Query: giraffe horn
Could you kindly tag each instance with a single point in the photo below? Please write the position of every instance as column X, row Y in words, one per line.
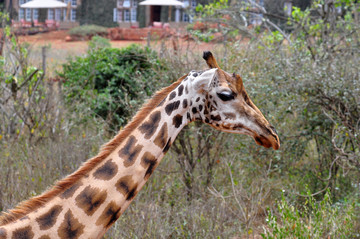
column 210, row 60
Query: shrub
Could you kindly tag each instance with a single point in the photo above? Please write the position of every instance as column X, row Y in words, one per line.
column 313, row 220
column 88, row 30
column 110, row 82
column 98, row 42
column 26, row 108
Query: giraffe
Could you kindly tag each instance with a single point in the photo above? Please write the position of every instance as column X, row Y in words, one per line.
column 86, row 203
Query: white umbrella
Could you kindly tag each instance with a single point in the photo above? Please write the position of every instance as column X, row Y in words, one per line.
column 43, row 4
column 162, row 3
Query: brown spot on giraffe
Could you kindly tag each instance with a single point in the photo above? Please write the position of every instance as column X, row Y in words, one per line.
column 180, row 90
column 71, row 190
column 110, row 214
column 177, row 120
column 215, row 117
column 90, row 199
column 48, row 219
column 185, row 103
column 70, row 228
column 130, row 151
column 148, row 161
column 107, row 171
column 171, row 107
column 2, row 233
column 172, row 95
column 45, row 237
column 23, row 233
column 127, row 187
column 162, row 136
column 149, row 127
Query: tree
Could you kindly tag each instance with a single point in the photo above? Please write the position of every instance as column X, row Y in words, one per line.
column 97, row 13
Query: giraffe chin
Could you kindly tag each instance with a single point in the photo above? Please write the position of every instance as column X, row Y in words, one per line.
column 267, row 142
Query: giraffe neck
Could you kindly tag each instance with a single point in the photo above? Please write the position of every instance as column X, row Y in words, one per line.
column 97, row 199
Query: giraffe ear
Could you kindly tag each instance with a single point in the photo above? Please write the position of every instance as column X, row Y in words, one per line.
column 204, row 81
column 238, row 82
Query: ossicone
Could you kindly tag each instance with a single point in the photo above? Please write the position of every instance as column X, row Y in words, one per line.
column 210, row 60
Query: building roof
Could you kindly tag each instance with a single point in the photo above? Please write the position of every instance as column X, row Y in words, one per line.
column 162, row 3
column 43, row 4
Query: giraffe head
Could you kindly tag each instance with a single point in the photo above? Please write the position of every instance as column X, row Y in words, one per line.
column 226, row 106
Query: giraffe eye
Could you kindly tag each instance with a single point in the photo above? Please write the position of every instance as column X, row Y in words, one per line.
column 226, row 95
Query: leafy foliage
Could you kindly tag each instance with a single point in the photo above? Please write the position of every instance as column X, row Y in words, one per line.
column 111, row 82
column 25, row 106
column 88, row 30
column 305, row 73
column 96, row 12
column 312, row 220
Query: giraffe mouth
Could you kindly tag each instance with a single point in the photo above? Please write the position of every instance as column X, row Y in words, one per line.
column 269, row 141
column 261, row 140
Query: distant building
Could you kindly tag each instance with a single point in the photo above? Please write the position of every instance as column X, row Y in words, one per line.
column 64, row 14
column 128, row 12
column 124, row 12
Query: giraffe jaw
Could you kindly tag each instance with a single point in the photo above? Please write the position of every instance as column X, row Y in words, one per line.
column 271, row 140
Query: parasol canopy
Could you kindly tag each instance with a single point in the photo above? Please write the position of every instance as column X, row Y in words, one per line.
column 162, row 3
column 43, row 4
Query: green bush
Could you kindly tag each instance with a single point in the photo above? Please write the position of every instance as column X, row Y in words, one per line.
column 98, row 42
column 88, row 30
column 313, row 220
column 110, row 82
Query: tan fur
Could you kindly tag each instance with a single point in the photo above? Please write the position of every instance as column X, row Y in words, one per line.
column 239, row 83
column 36, row 202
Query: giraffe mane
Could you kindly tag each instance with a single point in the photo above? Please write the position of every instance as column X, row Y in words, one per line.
column 25, row 207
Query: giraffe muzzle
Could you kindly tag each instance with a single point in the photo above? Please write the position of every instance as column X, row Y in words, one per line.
column 270, row 140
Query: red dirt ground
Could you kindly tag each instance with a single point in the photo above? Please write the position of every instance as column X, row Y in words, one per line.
column 60, row 50
column 57, row 41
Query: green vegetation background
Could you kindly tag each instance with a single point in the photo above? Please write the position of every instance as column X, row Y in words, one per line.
column 304, row 76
